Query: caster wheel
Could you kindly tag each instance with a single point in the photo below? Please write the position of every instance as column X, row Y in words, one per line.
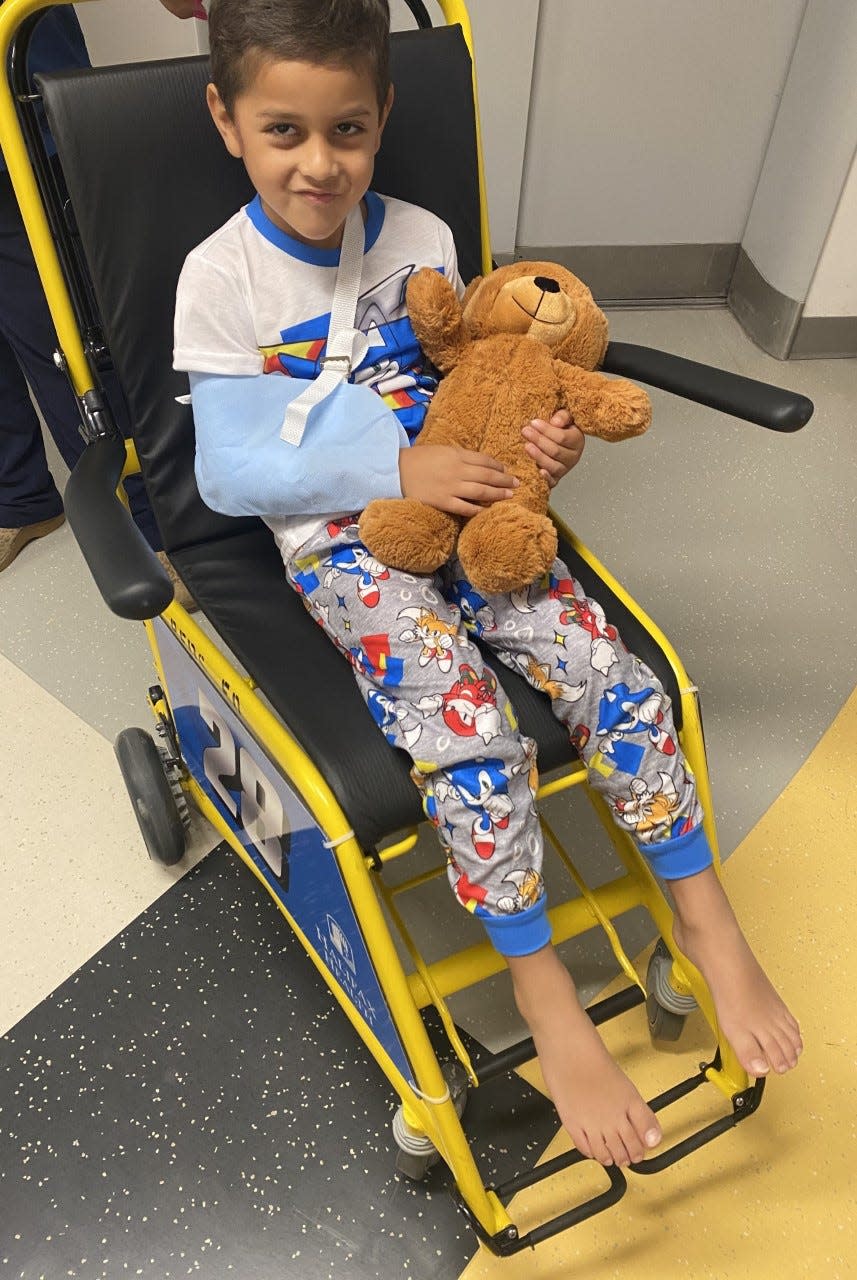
column 417, row 1153
column 151, row 793
column 667, row 1009
column 664, row 1026
column 415, row 1168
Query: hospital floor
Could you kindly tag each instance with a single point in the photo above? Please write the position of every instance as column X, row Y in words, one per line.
column 178, row 1093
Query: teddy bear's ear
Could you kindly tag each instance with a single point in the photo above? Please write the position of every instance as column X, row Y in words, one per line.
column 470, row 290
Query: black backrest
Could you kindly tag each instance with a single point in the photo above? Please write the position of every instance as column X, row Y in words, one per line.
column 149, row 178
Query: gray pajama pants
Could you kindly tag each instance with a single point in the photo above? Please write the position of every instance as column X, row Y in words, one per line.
column 408, row 640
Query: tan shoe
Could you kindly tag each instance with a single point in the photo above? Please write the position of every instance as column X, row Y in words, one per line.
column 183, row 596
column 14, row 540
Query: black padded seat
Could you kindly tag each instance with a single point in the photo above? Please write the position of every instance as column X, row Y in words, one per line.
column 240, row 583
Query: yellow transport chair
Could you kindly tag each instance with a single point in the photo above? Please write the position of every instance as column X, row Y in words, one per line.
column 318, row 805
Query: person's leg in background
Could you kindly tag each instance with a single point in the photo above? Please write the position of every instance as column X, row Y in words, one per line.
column 30, row 503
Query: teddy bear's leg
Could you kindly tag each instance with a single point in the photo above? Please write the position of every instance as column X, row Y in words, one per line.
column 406, row 534
column 506, row 547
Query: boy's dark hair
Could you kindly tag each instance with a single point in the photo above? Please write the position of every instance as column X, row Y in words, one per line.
column 243, row 33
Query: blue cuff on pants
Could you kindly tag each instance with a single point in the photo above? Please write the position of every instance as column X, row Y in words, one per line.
column 520, row 934
column 683, row 856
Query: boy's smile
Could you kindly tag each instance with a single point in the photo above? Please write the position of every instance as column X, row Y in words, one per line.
column 308, row 135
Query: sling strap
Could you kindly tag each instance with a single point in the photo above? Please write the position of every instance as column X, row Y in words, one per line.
column 346, row 346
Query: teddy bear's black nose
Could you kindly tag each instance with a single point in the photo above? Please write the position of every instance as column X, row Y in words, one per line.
column 546, row 284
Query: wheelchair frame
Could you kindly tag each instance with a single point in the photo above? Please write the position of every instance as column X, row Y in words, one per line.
column 289, row 829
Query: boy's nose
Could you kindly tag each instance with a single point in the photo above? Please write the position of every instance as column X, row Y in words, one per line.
column 317, row 160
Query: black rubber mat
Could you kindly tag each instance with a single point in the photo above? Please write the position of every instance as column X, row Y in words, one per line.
column 193, row 1102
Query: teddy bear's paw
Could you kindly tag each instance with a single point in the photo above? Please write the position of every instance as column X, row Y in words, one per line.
column 506, row 547
column 628, row 411
column 428, row 288
column 405, row 534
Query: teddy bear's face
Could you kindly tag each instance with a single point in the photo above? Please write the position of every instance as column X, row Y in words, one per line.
column 535, row 305
column 543, row 301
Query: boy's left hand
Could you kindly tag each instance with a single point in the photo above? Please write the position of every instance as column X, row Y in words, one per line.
column 554, row 446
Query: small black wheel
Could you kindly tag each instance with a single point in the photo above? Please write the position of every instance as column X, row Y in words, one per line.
column 151, row 795
column 663, row 1025
column 667, row 1009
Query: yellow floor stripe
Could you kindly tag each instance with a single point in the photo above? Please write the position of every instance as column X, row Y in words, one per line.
column 776, row 1196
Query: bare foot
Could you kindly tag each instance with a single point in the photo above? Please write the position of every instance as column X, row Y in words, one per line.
column 598, row 1105
column 751, row 1014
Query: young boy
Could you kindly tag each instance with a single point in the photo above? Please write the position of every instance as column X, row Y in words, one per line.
column 301, row 93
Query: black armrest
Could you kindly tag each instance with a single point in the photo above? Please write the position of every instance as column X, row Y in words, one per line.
column 126, row 570
column 772, row 407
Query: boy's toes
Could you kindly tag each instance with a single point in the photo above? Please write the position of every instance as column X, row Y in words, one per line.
column 582, row 1143
column 620, row 1150
column 633, row 1144
column 645, row 1125
column 782, row 1053
column 600, row 1150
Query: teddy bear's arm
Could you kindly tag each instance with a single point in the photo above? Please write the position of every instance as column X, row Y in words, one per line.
column 436, row 315
column 610, row 408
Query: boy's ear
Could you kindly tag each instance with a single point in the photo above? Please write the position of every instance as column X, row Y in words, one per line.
column 224, row 122
column 385, row 111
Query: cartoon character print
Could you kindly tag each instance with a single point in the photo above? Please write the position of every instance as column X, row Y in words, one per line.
column 390, row 715
column 430, row 809
column 622, row 713
column 344, row 527
column 527, row 885
column 356, row 561
column 482, row 786
column 394, row 365
column 469, row 706
column 590, row 617
column 649, row 812
column 470, row 895
column 539, row 677
column 476, row 613
column 436, row 638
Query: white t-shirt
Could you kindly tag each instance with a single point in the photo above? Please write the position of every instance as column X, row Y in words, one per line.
column 253, row 300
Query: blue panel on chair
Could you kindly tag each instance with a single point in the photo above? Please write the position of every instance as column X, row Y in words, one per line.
column 276, row 830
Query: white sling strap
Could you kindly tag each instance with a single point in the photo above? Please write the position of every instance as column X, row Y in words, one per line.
column 346, row 346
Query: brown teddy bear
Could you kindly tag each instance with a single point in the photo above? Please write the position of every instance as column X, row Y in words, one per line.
column 522, row 343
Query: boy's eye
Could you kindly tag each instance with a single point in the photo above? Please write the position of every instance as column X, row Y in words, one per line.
column 348, row 129
column 282, row 130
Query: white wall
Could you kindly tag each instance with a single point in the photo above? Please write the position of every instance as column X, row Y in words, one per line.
column 504, row 37
column 810, row 155
column 134, row 31
column 650, row 118
column 833, row 291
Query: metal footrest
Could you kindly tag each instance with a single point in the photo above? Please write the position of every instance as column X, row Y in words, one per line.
column 510, row 1241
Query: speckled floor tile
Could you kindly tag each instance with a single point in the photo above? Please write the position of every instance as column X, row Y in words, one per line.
column 193, row 1102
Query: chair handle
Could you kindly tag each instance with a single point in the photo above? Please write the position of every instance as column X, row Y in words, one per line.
column 126, row 570
column 759, row 402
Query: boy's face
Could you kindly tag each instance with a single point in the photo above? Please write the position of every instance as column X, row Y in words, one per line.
column 308, row 136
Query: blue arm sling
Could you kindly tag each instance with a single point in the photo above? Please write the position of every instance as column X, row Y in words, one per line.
column 349, row 452
column 268, row 445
